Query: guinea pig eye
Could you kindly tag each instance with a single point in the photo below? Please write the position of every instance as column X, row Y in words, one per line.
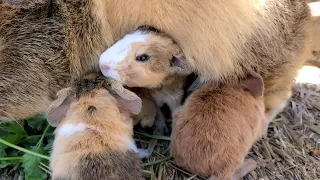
column 142, row 57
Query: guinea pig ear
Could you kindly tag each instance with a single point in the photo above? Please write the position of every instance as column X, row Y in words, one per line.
column 254, row 84
column 181, row 65
column 133, row 105
column 126, row 99
column 197, row 84
column 59, row 107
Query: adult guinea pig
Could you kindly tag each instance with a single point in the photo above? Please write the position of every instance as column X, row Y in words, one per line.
column 45, row 44
column 93, row 139
column 216, row 127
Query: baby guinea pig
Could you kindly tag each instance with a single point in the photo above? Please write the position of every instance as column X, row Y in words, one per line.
column 216, row 127
column 93, row 139
column 145, row 58
column 150, row 59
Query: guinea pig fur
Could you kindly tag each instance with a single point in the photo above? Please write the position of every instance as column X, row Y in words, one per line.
column 93, row 140
column 216, row 127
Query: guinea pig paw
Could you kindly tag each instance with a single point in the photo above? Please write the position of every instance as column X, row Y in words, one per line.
column 161, row 127
column 147, row 122
column 143, row 153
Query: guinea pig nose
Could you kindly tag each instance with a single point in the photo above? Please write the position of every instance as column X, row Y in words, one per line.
column 104, row 67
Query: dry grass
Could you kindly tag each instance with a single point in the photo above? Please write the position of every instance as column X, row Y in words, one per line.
column 284, row 153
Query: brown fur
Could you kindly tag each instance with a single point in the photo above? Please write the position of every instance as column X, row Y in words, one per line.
column 52, row 42
column 101, row 150
column 215, row 128
column 316, row 55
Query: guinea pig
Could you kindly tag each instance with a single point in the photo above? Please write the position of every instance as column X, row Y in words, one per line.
column 150, row 59
column 216, row 127
column 93, row 138
column 144, row 58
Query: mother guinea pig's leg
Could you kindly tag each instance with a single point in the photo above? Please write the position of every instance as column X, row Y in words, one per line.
column 247, row 166
column 275, row 102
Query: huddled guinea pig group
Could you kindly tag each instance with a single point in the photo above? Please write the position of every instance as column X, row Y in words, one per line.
column 215, row 127
column 46, row 45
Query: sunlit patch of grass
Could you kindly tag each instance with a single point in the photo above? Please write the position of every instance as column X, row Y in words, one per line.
column 315, row 8
column 309, row 74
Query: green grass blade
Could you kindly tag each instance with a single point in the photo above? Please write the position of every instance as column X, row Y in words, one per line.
column 157, row 161
column 158, row 137
column 10, row 158
column 39, row 144
column 45, row 170
column 24, row 150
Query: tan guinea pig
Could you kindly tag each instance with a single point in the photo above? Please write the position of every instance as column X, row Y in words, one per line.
column 216, row 127
column 93, row 139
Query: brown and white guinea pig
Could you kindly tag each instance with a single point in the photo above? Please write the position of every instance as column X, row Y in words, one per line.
column 93, row 139
column 150, row 59
column 144, row 58
column 216, row 127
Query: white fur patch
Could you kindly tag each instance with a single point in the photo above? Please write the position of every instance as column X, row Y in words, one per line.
column 69, row 129
column 132, row 146
column 143, row 153
column 274, row 112
column 118, row 52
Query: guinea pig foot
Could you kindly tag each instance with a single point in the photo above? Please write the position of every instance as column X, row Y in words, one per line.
column 161, row 127
column 143, row 153
column 147, row 122
column 247, row 166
